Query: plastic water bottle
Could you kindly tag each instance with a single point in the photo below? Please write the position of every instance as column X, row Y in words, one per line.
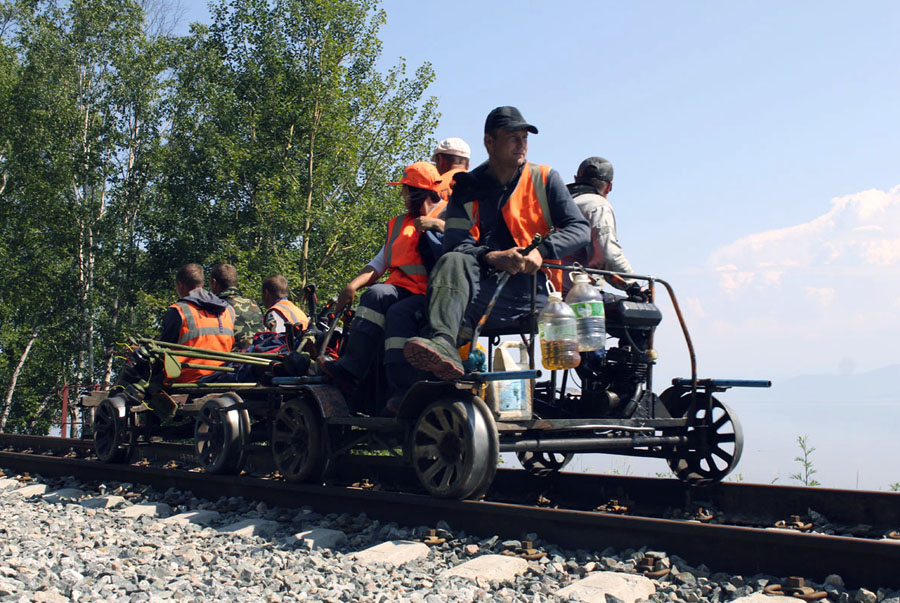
column 587, row 302
column 559, row 335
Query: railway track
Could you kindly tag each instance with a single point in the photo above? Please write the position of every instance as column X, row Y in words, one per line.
column 728, row 527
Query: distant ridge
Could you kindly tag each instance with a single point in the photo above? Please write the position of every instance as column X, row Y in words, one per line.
column 879, row 385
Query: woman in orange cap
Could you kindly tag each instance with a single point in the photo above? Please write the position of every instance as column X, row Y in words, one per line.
column 386, row 311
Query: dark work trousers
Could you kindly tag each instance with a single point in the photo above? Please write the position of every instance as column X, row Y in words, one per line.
column 368, row 328
column 459, row 291
column 404, row 319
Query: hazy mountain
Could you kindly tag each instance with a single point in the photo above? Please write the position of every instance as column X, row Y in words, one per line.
column 879, row 385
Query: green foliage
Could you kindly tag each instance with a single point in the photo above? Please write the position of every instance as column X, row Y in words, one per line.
column 895, row 487
column 804, row 476
column 263, row 140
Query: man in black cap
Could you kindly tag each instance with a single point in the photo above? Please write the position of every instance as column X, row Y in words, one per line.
column 593, row 183
column 495, row 211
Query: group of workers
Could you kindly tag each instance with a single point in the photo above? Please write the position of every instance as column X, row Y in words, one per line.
column 462, row 229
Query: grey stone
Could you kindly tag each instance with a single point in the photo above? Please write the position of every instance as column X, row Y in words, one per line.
column 29, row 491
column 8, row 484
column 594, row 588
column 865, row 596
column 103, row 502
column 192, row 517
column 147, row 509
column 63, row 495
column 398, row 552
column 319, row 538
column 251, row 527
column 501, row 568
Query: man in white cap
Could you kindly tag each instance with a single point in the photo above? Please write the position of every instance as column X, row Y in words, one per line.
column 450, row 156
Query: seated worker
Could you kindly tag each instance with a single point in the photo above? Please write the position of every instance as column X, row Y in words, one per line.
column 388, row 310
column 280, row 310
column 592, row 185
column 494, row 212
column 450, row 156
column 198, row 319
column 247, row 315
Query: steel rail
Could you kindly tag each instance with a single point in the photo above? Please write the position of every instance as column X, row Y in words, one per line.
column 746, row 550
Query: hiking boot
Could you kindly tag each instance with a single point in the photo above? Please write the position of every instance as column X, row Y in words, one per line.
column 338, row 376
column 436, row 356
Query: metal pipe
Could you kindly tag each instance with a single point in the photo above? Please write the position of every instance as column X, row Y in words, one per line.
column 186, row 348
column 220, row 369
column 588, row 444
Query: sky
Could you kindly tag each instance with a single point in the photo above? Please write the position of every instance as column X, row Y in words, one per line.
column 756, row 149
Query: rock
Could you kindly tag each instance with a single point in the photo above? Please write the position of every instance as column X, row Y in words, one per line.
column 193, row 517
column 865, row 596
column 251, row 527
column 63, row 495
column 29, row 491
column 396, row 552
column 501, row 568
column 761, row 598
column 319, row 538
column 594, row 588
column 834, row 580
column 103, row 502
column 147, row 509
column 8, row 484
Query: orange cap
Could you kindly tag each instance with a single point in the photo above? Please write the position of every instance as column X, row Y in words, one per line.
column 421, row 174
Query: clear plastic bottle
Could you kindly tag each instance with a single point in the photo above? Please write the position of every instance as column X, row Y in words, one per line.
column 559, row 335
column 590, row 317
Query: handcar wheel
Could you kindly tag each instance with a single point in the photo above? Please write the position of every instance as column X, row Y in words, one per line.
column 300, row 442
column 493, row 450
column 221, row 435
column 702, row 462
column 543, row 463
column 451, row 451
column 113, row 436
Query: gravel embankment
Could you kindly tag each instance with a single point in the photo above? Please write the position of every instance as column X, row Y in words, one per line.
column 68, row 546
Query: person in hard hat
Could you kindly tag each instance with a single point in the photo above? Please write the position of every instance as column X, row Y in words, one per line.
column 494, row 213
column 593, row 183
column 280, row 311
column 450, row 156
column 386, row 311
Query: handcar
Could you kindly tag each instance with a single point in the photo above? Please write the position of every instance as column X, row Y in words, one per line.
column 451, row 433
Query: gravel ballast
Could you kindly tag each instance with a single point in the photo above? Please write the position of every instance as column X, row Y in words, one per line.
column 74, row 541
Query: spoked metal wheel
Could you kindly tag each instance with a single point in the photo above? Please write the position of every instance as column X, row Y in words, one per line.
column 717, row 440
column 453, row 449
column 300, row 442
column 113, row 436
column 221, row 434
column 544, row 463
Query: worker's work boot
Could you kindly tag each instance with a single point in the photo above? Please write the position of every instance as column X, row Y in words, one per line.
column 437, row 356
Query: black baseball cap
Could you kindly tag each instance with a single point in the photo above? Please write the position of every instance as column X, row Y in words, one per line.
column 507, row 118
column 595, row 167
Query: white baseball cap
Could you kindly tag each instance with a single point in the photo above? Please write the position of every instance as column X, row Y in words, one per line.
column 452, row 146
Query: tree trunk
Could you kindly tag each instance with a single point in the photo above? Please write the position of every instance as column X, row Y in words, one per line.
column 7, row 404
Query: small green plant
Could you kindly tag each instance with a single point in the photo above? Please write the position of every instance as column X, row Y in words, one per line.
column 805, row 475
column 737, row 477
column 895, row 487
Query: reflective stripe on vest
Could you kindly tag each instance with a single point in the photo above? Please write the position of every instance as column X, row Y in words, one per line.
column 526, row 213
column 205, row 330
column 401, row 253
column 291, row 313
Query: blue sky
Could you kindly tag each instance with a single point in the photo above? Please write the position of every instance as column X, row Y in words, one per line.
column 756, row 149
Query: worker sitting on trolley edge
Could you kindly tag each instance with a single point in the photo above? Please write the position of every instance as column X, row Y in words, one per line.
column 280, row 311
column 388, row 310
column 198, row 319
column 450, row 156
column 494, row 212
column 592, row 185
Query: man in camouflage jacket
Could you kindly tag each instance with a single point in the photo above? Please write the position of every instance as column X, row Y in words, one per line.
column 248, row 317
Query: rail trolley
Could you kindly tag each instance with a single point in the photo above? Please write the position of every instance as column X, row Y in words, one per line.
column 451, row 433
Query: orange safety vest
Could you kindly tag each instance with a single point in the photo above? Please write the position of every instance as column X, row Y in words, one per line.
column 446, row 185
column 204, row 330
column 526, row 213
column 291, row 313
column 401, row 253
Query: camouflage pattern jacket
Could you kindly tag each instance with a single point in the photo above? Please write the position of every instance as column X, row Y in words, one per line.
column 248, row 317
